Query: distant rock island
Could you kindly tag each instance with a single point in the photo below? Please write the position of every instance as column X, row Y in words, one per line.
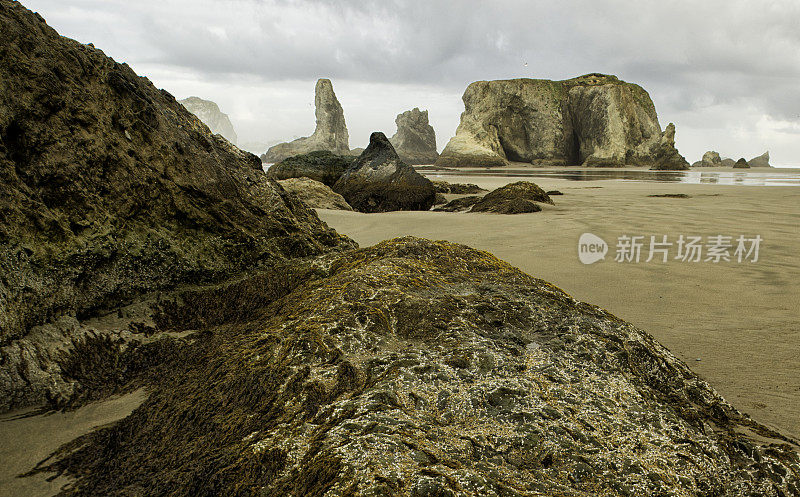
column 208, row 112
column 592, row 120
column 712, row 159
column 330, row 133
column 415, row 140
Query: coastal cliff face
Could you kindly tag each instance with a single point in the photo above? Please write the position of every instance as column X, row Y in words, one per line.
column 330, row 133
column 415, row 140
column 110, row 189
column 208, row 112
column 593, row 120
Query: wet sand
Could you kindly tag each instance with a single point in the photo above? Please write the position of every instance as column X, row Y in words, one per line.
column 736, row 325
column 24, row 441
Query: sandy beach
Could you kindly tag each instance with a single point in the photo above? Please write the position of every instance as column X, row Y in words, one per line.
column 736, row 325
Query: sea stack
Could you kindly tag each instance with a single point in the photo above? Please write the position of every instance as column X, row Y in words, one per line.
column 378, row 181
column 208, row 112
column 415, row 140
column 710, row 159
column 592, row 120
column 330, row 133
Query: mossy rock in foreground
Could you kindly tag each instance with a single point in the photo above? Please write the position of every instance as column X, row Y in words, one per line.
column 427, row 368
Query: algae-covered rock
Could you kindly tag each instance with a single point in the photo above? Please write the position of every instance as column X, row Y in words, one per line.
column 457, row 188
column 315, row 194
column 741, row 164
column 109, row 188
column 514, row 198
column 323, row 166
column 459, row 204
column 592, row 120
column 427, row 368
column 330, row 133
column 378, row 181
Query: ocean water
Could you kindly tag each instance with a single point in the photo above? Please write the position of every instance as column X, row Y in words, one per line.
column 770, row 177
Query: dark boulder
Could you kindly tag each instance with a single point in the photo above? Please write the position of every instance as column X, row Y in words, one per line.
column 514, row 198
column 741, row 164
column 378, row 181
column 323, row 166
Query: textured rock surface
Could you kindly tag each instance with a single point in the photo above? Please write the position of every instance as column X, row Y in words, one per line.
column 208, row 112
column 457, row 188
column 330, row 133
column 514, row 198
column 415, row 140
column 109, row 189
column 710, row 159
column 741, row 164
column 760, row 161
column 427, row 368
column 665, row 156
column 378, row 181
column 323, row 166
column 315, row 194
column 461, row 204
column 593, row 120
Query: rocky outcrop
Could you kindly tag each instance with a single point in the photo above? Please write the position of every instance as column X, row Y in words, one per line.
column 415, row 140
column 323, row 166
column 593, row 120
column 330, row 133
column 208, row 112
column 315, row 194
column 378, row 181
column 418, row 368
column 456, row 188
column 665, row 156
column 710, row 159
column 514, row 198
column 110, row 189
column 760, row 161
column 741, row 164
column 461, row 204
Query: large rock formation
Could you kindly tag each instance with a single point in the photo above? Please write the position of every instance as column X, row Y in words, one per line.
column 330, row 133
column 710, row 159
column 378, row 181
column 760, row 161
column 741, row 164
column 323, row 166
column 415, row 140
column 315, row 194
column 111, row 189
column 593, row 120
column 208, row 112
column 423, row 368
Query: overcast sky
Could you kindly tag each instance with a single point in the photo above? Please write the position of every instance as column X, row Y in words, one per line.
column 724, row 71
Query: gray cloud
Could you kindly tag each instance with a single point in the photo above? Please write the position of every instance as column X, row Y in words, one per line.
column 701, row 61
